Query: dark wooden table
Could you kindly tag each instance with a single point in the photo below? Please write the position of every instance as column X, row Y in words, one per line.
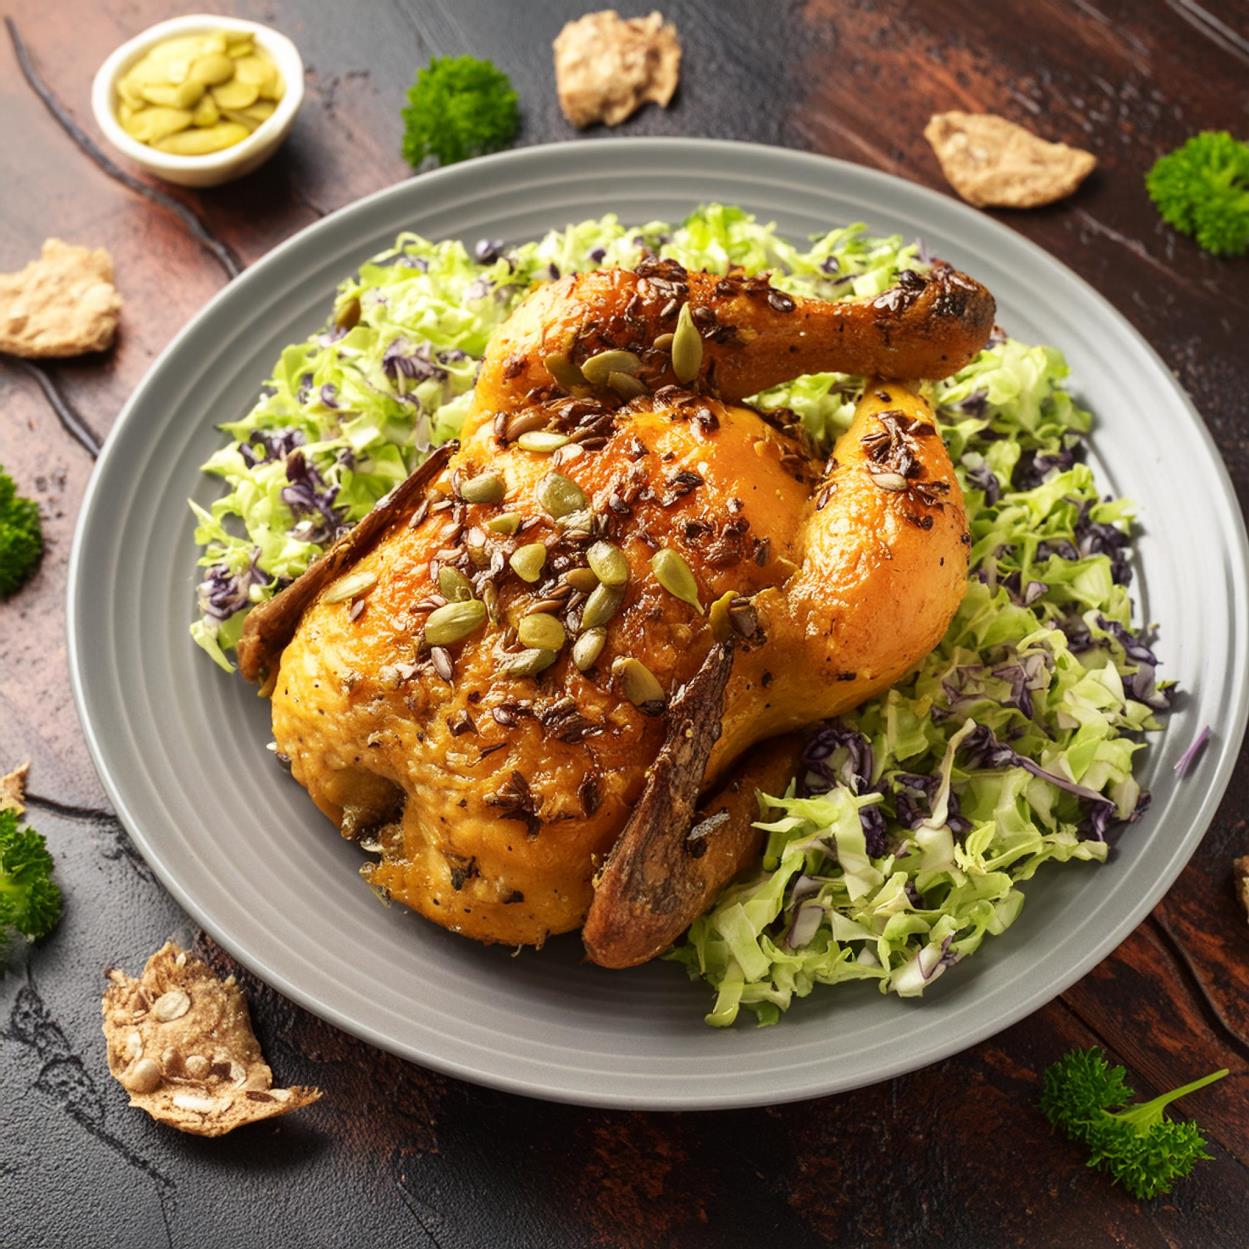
column 956, row 1154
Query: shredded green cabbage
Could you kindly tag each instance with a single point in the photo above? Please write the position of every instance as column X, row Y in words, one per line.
column 905, row 842
column 1040, row 654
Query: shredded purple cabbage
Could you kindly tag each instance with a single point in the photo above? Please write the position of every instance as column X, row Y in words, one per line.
column 1061, row 547
column 980, row 749
column 414, row 361
column 985, row 480
column 976, row 404
column 264, row 445
column 1189, row 757
column 836, row 755
column 487, row 251
column 222, row 593
column 312, row 501
column 1030, row 673
column 913, row 796
column 1102, row 538
column 1143, row 683
column 1035, row 468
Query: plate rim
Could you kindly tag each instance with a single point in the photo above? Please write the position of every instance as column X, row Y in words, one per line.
column 1197, row 826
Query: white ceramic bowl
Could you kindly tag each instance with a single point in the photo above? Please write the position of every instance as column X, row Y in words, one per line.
column 213, row 168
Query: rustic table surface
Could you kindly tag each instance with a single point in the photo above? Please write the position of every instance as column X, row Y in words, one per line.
column 955, row 1154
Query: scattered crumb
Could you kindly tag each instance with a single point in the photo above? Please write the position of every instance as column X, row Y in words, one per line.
column 180, row 1042
column 991, row 161
column 607, row 67
column 63, row 304
column 1240, row 872
column 13, row 789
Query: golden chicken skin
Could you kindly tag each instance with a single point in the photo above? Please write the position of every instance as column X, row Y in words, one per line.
column 520, row 677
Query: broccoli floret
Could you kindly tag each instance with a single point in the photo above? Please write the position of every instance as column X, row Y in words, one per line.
column 1202, row 189
column 30, row 900
column 458, row 107
column 1139, row 1147
column 21, row 537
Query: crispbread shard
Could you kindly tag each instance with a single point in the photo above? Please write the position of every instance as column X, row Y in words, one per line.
column 992, row 162
column 607, row 67
column 63, row 304
column 180, row 1042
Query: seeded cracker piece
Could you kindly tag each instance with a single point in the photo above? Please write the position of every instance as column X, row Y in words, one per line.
column 13, row 790
column 63, row 304
column 607, row 67
column 180, row 1042
column 990, row 161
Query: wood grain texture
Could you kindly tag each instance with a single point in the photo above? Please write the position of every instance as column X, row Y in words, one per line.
column 955, row 1154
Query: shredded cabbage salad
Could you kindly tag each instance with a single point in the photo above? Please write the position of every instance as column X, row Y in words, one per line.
column 915, row 818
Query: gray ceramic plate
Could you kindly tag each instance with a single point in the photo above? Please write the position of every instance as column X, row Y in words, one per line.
column 181, row 747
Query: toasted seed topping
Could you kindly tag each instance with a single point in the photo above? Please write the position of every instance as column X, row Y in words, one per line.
column 453, row 585
column 560, row 495
column 577, row 525
column 529, row 663
column 547, row 605
column 675, row 575
column 687, row 348
column 484, row 488
column 454, row 622
column 444, row 666
column 588, row 647
column 349, row 586
column 663, row 342
column 560, row 366
column 527, row 561
column 598, row 368
column 509, row 522
column 542, row 631
column 490, row 597
column 583, row 579
column 524, row 421
column 603, row 603
column 893, row 482
column 626, row 385
column 780, row 302
column 543, row 441
column 721, row 626
column 639, row 684
column 608, row 563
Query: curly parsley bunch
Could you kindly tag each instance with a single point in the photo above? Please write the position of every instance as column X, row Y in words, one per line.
column 1137, row 1145
column 458, row 107
column 21, row 537
column 1202, row 189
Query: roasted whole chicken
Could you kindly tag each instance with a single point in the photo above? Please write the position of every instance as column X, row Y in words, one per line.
column 544, row 678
